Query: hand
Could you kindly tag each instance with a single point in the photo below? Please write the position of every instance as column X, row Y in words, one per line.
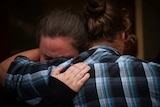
column 74, row 77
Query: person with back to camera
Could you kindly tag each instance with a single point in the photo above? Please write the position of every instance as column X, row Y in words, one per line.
column 115, row 79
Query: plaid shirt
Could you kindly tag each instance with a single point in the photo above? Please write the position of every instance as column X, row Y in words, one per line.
column 115, row 80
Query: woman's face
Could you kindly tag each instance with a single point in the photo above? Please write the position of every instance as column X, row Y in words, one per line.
column 51, row 48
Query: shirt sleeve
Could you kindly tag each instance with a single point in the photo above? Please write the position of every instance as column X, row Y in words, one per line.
column 30, row 82
column 57, row 94
column 27, row 79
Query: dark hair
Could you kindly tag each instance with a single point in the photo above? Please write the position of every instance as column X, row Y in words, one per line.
column 105, row 19
column 64, row 23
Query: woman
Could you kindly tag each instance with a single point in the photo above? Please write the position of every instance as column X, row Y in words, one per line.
column 59, row 35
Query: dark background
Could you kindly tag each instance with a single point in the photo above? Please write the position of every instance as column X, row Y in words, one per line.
column 19, row 19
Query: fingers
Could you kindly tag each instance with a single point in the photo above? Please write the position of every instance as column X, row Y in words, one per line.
column 82, row 75
column 57, row 70
column 79, row 67
column 79, row 70
column 75, row 76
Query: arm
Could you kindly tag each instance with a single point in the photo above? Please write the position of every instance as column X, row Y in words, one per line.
column 63, row 87
column 74, row 77
column 25, row 76
column 4, row 65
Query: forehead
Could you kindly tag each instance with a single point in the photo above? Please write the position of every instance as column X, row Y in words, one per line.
column 57, row 47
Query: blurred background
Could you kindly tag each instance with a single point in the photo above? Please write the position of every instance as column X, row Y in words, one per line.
column 18, row 19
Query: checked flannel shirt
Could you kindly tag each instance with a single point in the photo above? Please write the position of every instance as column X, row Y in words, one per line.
column 116, row 80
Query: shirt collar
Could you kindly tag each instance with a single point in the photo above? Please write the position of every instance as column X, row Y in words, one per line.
column 106, row 47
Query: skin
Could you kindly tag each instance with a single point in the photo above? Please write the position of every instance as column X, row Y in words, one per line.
column 118, row 43
column 51, row 48
column 74, row 77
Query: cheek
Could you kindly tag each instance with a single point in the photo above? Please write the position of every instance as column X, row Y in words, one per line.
column 75, row 54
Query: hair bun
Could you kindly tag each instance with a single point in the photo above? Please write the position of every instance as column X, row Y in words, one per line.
column 96, row 6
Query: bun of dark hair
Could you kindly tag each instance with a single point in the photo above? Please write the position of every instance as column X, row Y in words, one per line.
column 96, row 6
column 106, row 18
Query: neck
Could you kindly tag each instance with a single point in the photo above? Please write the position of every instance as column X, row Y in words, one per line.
column 118, row 45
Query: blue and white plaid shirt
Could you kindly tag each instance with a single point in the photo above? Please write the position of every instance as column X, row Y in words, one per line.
column 116, row 80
